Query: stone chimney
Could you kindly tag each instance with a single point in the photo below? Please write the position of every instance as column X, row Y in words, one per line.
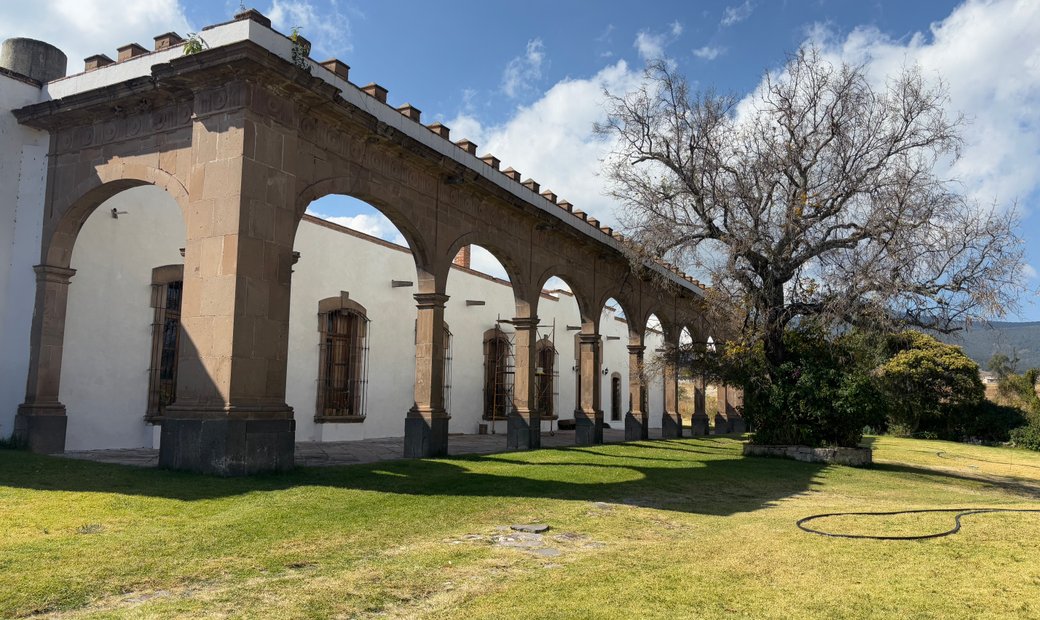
column 462, row 258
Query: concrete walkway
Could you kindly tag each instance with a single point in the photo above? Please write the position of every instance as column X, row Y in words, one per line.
column 324, row 454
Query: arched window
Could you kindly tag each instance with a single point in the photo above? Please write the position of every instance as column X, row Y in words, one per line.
column 342, row 361
column 498, row 375
column 167, row 287
column 545, row 377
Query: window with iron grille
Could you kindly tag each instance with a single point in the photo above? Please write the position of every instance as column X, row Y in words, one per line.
column 545, row 376
column 498, row 375
column 167, row 289
column 342, row 361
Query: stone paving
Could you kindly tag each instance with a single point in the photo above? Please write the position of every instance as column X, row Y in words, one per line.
column 319, row 454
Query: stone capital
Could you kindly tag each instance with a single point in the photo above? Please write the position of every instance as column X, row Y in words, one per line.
column 54, row 274
column 527, row 323
column 588, row 339
column 428, row 301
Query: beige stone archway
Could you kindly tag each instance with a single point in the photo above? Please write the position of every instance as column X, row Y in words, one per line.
column 245, row 140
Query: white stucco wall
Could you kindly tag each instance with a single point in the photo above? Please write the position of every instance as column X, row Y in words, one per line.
column 23, row 170
column 108, row 333
column 108, row 329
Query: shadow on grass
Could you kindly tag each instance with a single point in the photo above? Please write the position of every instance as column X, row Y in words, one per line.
column 697, row 476
column 1017, row 486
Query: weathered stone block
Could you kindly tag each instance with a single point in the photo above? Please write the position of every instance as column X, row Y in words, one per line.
column 425, row 437
column 227, row 446
column 855, row 457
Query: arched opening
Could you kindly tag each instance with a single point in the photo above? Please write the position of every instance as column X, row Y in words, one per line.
column 122, row 321
column 560, row 323
column 352, row 322
column 687, row 386
column 614, row 337
column 653, row 395
column 481, row 298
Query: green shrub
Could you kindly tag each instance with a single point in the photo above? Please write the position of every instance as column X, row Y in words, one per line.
column 1027, row 436
column 928, row 385
column 823, row 395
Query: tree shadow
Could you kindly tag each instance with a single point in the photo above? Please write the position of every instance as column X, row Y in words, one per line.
column 713, row 482
column 1016, row 486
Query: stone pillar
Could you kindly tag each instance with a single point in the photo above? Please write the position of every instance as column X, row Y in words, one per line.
column 230, row 415
column 699, row 422
column 524, row 424
column 588, row 417
column 40, row 422
column 637, row 422
column 722, row 418
column 735, row 410
column 671, row 421
column 426, row 425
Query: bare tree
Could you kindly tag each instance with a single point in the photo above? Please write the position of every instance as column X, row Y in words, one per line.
column 815, row 197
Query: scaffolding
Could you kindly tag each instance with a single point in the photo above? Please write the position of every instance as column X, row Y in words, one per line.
column 500, row 373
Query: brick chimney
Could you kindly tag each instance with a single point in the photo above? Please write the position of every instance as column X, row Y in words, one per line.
column 462, row 258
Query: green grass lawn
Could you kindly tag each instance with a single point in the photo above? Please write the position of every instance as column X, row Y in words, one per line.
column 669, row 529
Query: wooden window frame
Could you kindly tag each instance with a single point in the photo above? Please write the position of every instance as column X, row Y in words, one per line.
column 545, row 346
column 503, row 401
column 359, row 353
column 162, row 278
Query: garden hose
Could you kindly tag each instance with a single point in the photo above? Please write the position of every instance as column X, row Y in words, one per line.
column 959, row 513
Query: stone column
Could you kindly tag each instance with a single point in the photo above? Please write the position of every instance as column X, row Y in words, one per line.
column 230, row 416
column 588, row 417
column 426, row 425
column 699, row 422
column 637, row 422
column 671, row 421
column 524, row 424
column 40, row 422
column 735, row 410
column 722, row 420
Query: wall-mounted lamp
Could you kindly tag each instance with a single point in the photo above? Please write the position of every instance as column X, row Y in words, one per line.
column 116, row 213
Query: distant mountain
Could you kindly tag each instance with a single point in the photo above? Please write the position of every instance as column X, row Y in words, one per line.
column 980, row 342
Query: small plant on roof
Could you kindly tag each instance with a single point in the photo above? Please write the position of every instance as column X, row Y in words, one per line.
column 301, row 48
column 194, row 44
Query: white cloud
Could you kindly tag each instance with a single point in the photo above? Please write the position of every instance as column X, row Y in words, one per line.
column 375, row 224
column 562, row 119
column 328, row 28
column 1029, row 272
column 737, row 13
column 523, row 71
column 988, row 53
column 650, row 46
column 82, row 28
column 708, row 52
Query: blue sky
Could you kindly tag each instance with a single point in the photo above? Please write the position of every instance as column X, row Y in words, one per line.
column 524, row 80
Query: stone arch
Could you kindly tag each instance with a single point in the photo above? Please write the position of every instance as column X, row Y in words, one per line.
column 60, row 233
column 588, row 311
column 418, row 242
column 518, row 277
